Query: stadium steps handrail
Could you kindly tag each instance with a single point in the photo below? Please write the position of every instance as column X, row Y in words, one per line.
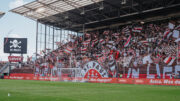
column 4, row 67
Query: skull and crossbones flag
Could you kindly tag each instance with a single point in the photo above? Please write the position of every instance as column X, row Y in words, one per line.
column 15, row 45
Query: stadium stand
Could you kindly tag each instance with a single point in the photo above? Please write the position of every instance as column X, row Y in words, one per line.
column 135, row 45
column 23, row 68
column 135, row 37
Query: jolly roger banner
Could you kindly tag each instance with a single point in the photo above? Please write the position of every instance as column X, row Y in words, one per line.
column 15, row 45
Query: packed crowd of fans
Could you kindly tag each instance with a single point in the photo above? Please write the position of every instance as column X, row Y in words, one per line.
column 130, row 45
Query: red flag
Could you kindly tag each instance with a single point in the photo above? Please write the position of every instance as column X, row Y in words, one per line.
column 128, row 41
column 126, row 30
column 86, row 43
column 102, row 41
column 83, row 50
column 106, row 32
column 166, row 33
column 137, row 29
column 68, row 50
column 167, row 59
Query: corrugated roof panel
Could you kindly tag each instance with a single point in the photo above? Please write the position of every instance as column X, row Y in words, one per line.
column 34, row 5
column 21, row 10
column 47, row 1
column 50, row 7
column 52, row 11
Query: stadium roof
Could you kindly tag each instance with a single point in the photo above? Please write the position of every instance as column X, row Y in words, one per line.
column 97, row 14
column 44, row 8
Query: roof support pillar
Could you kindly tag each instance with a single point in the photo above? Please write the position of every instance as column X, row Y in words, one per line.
column 83, row 31
column 37, row 29
column 53, row 39
column 61, row 35
column 45, row 38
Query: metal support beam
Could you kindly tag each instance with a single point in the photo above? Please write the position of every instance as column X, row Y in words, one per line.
column 96, row 2
column 45, row 38
column 159, row 18
column 80, row 16
column 53, row 18
column 37, row 29
column 49, row 36
column 72, row 4
column 133, row 7
column 53, row 39
column 61, row 35
column 130, row 14
column 52, row 7
column 83, row 31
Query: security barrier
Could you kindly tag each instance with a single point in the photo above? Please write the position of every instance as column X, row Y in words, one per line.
column 172, row 82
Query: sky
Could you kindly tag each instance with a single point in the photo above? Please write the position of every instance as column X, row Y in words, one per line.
column 14, row 25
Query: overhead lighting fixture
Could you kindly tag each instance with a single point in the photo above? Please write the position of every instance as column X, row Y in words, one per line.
column 66, row 17
column 40, row 10
column 101, row 7
column 142, row 22
column 123, row 2
column 29, row 13
column 83, row 12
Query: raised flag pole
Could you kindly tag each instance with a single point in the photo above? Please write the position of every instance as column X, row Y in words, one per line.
column 70, row 61
column 177, row 54
column 83, row 31
column 37, row 27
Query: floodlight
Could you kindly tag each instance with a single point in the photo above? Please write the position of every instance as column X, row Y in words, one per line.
column 40, row 10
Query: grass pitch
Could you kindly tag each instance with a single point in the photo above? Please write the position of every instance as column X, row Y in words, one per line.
column 20, row 90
